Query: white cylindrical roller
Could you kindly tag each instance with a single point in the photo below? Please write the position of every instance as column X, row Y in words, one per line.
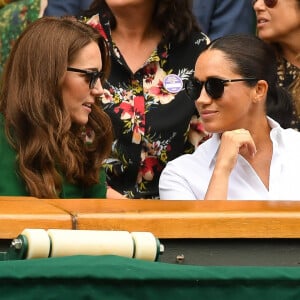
column 146, row 245
column 90, row 242
column 38, row 243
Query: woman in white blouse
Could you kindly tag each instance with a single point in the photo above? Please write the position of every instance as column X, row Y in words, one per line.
column 249, row 155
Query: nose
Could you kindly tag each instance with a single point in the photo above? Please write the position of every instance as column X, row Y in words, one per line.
column 97, row 90
column 203, row 98
column 258, row 5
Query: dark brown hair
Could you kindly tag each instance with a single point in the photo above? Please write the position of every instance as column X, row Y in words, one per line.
column 174, row 18
column 36, row 121
column 254, row 58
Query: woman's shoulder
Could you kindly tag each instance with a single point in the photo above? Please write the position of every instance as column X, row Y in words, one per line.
column 189, row 50
column 6, row 150
column 290, row 139
column 1, row 124
column 197, row 40
column 287, row 72
column 200, row 38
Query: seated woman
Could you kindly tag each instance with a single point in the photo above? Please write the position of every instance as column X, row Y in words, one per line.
column 249, row 155
column 53, row 135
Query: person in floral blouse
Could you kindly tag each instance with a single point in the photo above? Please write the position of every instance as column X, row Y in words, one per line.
column 154, row 45
column 278, row 22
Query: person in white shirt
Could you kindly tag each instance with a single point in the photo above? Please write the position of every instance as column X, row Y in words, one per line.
column 249, row 155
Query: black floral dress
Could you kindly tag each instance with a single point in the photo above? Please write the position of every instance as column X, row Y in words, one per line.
column 151, row 114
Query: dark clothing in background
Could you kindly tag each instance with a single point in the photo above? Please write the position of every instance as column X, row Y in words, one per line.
column 222, row 17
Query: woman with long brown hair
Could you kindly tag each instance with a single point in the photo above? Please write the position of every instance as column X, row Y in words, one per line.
column 53, row 135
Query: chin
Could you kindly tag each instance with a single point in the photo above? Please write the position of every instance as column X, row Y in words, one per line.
column 211, row 129
column 80, row 121
column 265, row 36
column 84, row 122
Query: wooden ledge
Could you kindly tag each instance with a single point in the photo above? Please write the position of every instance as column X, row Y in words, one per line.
column 165, row 219
column 16, row 214
column 188, row 219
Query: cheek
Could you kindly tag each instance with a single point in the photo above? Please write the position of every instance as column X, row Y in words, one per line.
column 68, row 98
column 283, row 21
column 73, row 93
column 236, row 102
column 197, row 104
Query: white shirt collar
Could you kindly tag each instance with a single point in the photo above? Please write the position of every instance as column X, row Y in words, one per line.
column 214, row 141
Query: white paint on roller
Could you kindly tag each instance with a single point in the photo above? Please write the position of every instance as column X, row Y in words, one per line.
column 38, row 243
column 90, row 242
column 145, row 245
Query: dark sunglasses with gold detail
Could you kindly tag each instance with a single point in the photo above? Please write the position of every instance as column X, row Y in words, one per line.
column 214, row 87
column 91, row 75
column 268, row 3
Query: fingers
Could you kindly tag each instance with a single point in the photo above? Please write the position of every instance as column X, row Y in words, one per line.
column 234, row 142
column 242, row 138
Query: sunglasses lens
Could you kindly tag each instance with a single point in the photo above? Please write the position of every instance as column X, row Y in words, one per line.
column 93, row 80
column 94, row 77
column 193, row 88
column 214, row 87
column 270, row 3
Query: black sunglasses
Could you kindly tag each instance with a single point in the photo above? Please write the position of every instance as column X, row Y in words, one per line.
column 214, row 87
column 268, row 3
column 91, row 75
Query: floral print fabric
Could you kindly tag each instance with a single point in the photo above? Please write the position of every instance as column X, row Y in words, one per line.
column 14, row 17
column 151, row 124
column 287, row 75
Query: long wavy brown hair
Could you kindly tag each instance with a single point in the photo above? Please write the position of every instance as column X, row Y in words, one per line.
column 49, row 147
column 174, row 18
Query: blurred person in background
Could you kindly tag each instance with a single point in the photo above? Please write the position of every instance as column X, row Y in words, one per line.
column 66, row 7
column 222, row 17
column 278, row 22
column 154, row 45
column 14, row 18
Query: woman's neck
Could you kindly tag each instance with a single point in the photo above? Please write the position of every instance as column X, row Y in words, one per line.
column 133, row 30
column 260, row 133
column 135, row 37
column 133, row 22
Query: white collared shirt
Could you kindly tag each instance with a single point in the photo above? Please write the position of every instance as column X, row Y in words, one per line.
column 187, row 177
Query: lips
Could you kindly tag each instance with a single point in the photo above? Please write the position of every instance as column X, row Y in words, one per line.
column 87, row 106
column 206, row 114
column 261, row 21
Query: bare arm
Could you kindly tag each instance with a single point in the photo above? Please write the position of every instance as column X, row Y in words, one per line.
column 113, row 194
column 232, row 143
